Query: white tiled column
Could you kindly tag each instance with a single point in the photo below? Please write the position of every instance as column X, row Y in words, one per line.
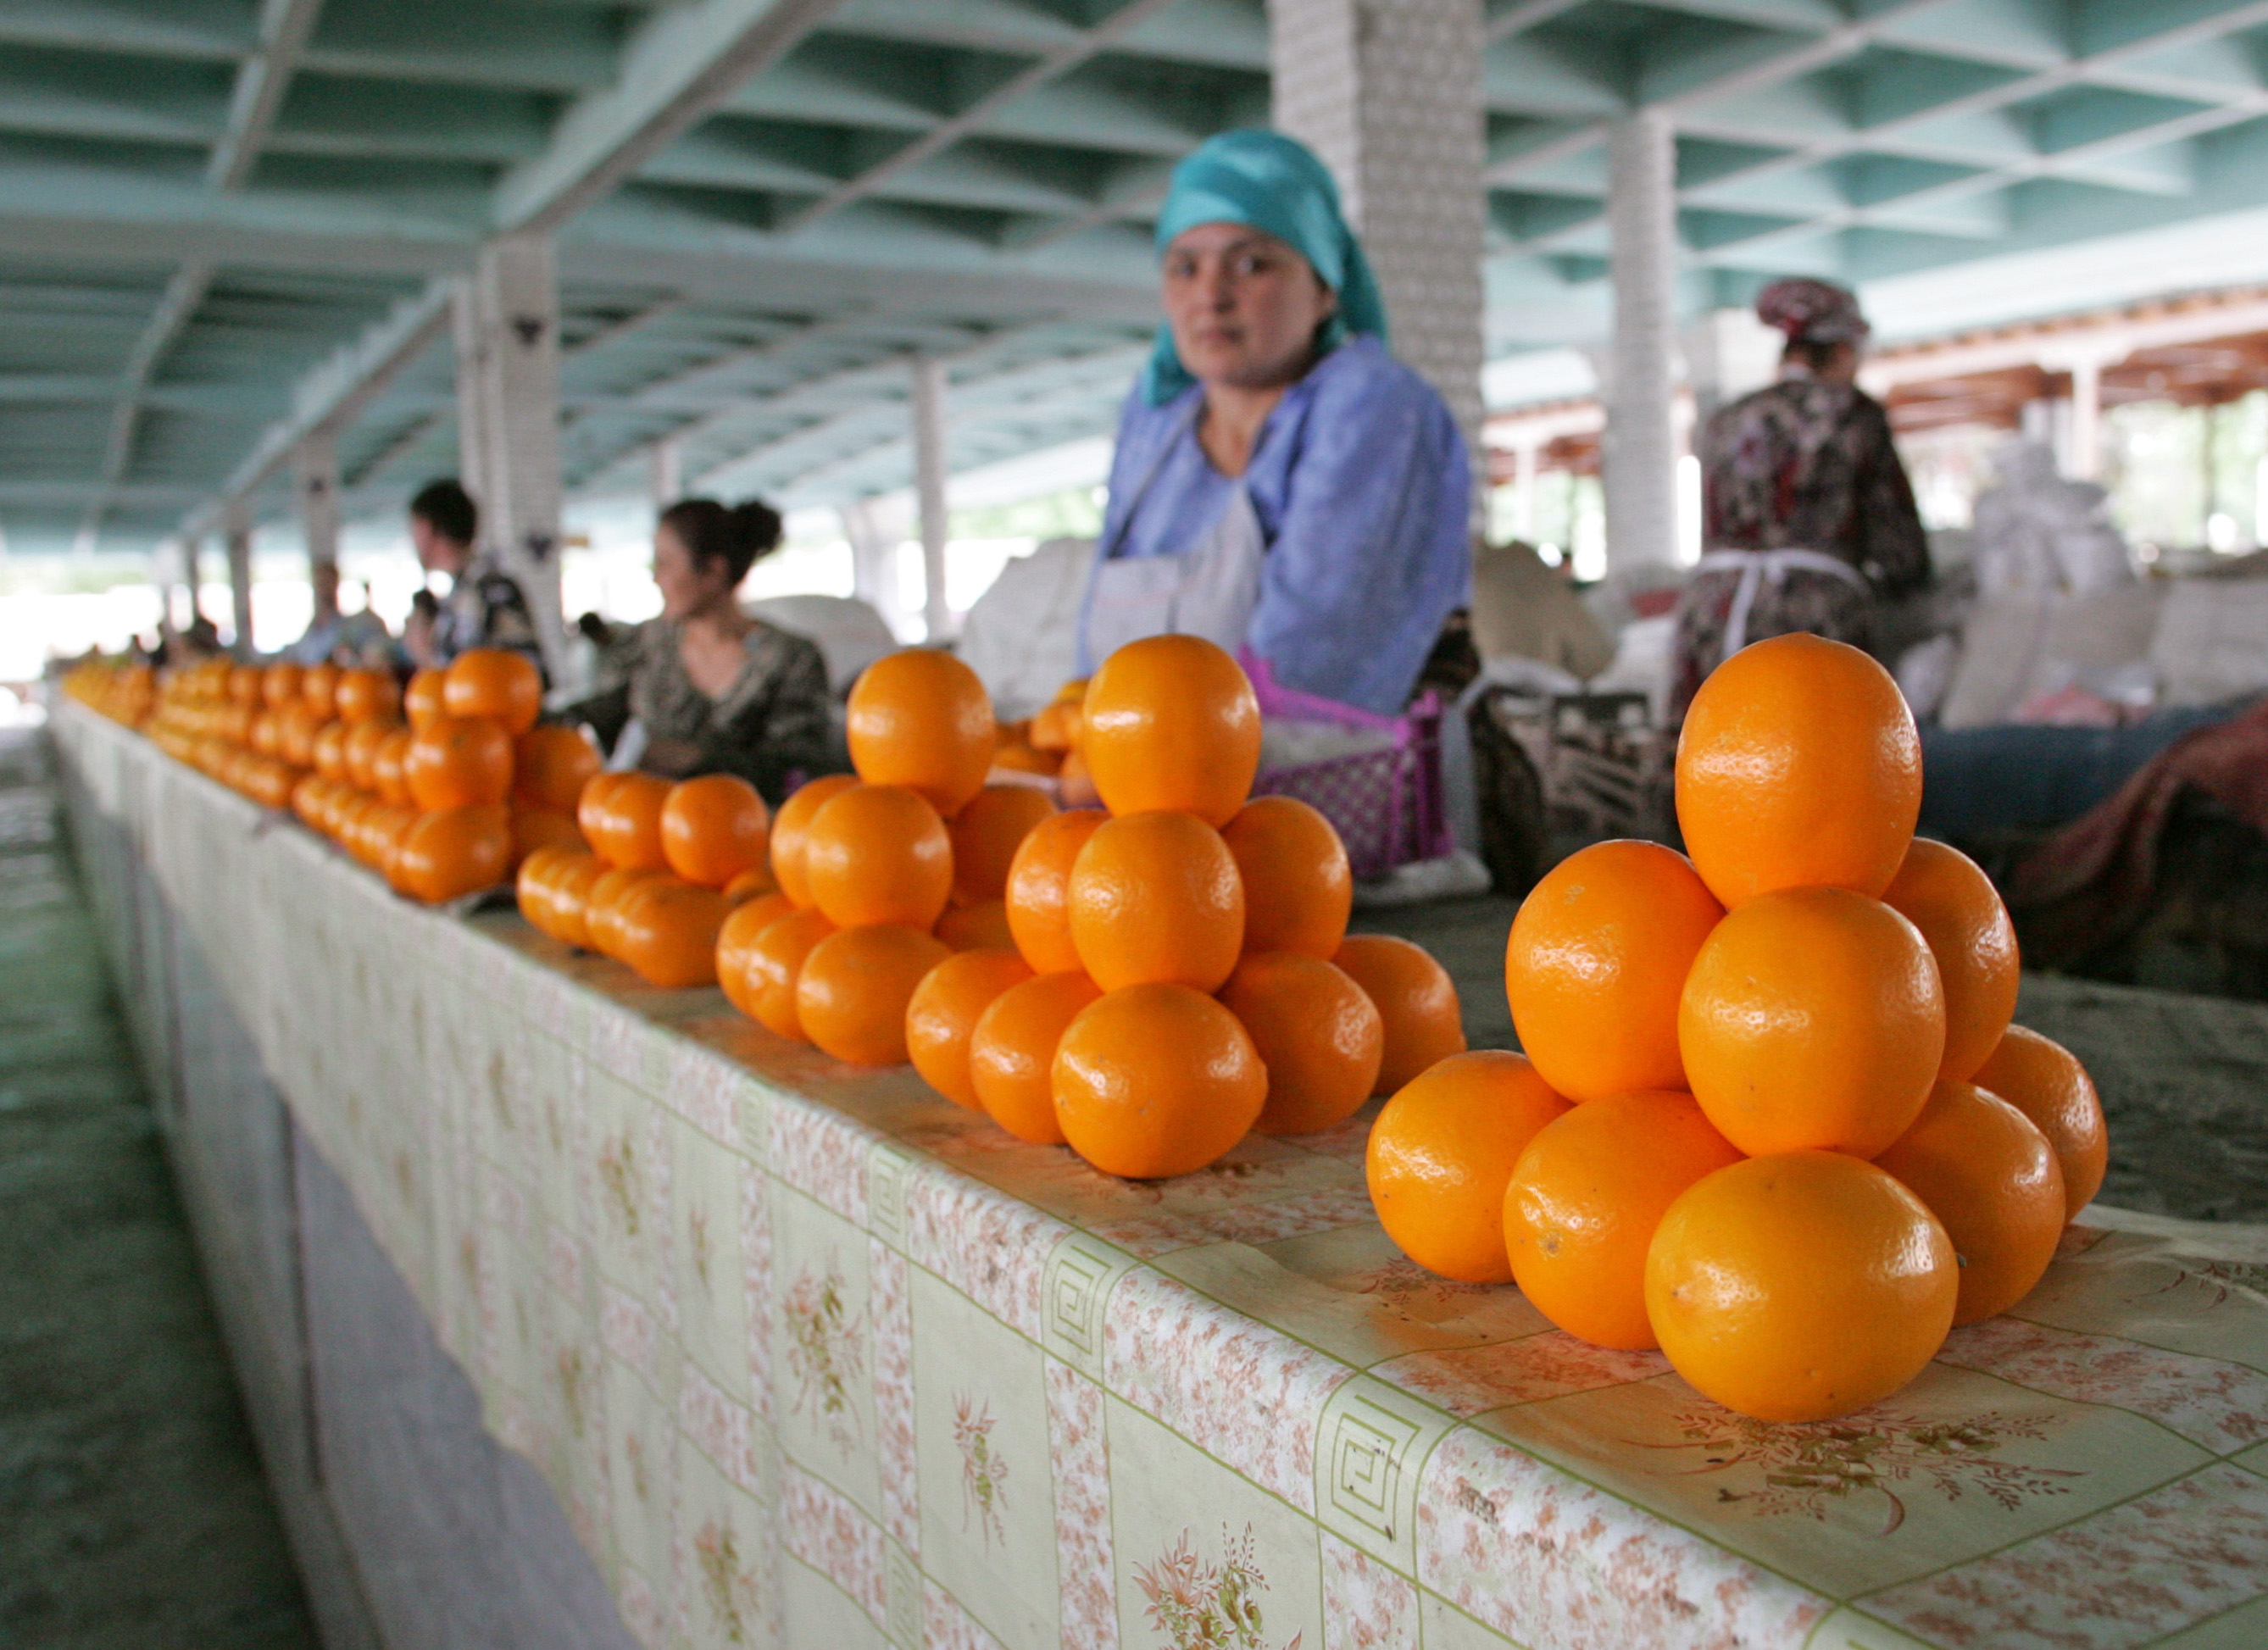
column 929, row 492
column 1640, row 450
column 1388, row 93
column 507, row 333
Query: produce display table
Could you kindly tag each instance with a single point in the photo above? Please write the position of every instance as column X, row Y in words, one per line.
column 811, row 1356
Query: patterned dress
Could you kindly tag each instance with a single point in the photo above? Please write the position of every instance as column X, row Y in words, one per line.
column 485, row 607
column 771, row 723
column 1804, row 464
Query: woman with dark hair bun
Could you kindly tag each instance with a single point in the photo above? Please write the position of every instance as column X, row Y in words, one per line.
column 711, row 689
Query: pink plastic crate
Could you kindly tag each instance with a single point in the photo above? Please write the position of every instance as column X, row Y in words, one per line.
column 1387, row 803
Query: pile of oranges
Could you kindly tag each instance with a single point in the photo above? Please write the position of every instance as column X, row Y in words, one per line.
column 1773, row 1116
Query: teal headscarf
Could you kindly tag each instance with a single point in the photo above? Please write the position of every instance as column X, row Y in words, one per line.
column 1275, row 184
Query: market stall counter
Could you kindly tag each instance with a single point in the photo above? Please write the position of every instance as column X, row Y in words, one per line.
column 811, row 1356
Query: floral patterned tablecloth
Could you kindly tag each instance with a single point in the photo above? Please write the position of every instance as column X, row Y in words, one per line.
column 814, row 1357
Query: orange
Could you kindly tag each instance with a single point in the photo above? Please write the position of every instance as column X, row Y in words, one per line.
column 920, row 718
column 1075, row 784
column 1012, row 1052
column 571, row 885
column 355, row 749
column 551, row 765
column 319, row 685
column 714, row 828
column 1442, row 1152
column 736, row 943
column 1298, row 887
column 534, row 828
column 1156, row 1080
column 297, row 731
column 1942, row 892
column 389, row 765
column 1798, row 766
column 977, row 927
column 1812, row 1020
column 1799, row 1286
column 852, row 993
column 878, row 854
column 789, row 830
column 2040, row 1079
column 422, row 702
column 366, row 695
column 986, row 835
column 495, row 683
column 1049, row 730
column 459, row 761
column 602, row 906
column 1319, row 1038
column 532, row 888
column 283, row 684
column 1039, row 888
column 622, row 819
column 449, row 852
column 1156, row 897
column 942, row 1016
column 1993, row 1181
column 1596, row 960
column 1171, row 722
column 668, row 932
column 753, row 883
column 330, row 749
column 775, row 967
column 384, row 827
column 1416, row 1002
column 1584, row 1202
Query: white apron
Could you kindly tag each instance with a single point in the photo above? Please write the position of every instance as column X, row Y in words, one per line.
column 1758, row 568
column 1208, row 590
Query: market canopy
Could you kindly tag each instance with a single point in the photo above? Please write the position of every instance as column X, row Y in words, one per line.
column 217, row 216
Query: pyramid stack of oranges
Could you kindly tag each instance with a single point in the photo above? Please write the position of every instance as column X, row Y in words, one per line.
column 1773, row 1116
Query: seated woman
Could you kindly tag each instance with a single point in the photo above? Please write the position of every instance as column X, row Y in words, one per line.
column 1281, row 483
column 711, row 689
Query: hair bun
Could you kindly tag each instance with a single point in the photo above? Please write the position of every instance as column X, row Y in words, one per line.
column 756, row 525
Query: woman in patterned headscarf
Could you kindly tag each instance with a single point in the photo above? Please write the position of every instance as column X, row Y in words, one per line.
column 1809, row 517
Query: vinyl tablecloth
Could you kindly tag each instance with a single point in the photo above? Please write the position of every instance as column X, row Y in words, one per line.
column 811, row 1356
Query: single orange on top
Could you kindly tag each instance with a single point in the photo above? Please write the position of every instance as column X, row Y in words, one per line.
column 775, row 969
column 2041, row 1078
column 669, row 933
column 715, row 827
column 1596, row 961
column 736, row 944
column 851, row 995
column 1584, row 1202
column 620, row 817
column 1993, row 1181
column 1798, row 766
column 1812, row 1020
column 1442, row 1152
column 1799, row 1286
column 921, row 718
column 1298, row 888
column 452, row 851
column 1942, row 892
column 789, row 827
column 1012, row 1052
column 942, row 1016
column 1039, row 888
column 986, row 835
column 1417, row 1002
column 422, row 704
column 459, row 761
column 363, row 695
column 1154, row 897
column 1172, row 722
column 1156, row 1080
column 879, row 854
column 551, row 765
column 1319, row 1036
column 497, row 683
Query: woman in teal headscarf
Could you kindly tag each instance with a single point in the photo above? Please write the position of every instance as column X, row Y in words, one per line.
column 1281, row 483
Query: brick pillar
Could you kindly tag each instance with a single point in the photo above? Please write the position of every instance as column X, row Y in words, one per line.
column 1388, row 93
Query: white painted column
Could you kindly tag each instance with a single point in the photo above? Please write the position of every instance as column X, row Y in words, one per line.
column 1527, row 475
column 317, row 471
column 875, row 528
column 193, row 570
column 236, row 535
column 1388, row 93
column 1640, row 451
column 929, row 491
column 2086, row 458
column 507, row 329
column 666, row 458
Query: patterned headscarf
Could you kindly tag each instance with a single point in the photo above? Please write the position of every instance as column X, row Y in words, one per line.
column 1812, row 312
column 1275, row 184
